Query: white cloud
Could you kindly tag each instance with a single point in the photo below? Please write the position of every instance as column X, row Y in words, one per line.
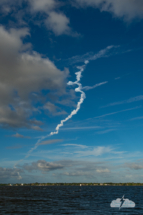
column 43, row 5
column 36, row 127
column 43, row 166
column 19, row 136
column 53, row 109
column 23, row 73
column 77, row 173
column 49, row 11
column 76, row 145
column 135, row 99
column 58, row 23
column 103, row 170
column 55, row 21
column 96, row 151
column 6, row 173
column 127, row 9
column 134, row 166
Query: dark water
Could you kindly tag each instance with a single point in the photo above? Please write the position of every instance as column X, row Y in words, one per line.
column 68, row 200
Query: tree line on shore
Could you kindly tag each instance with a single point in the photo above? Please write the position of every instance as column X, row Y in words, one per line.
column 74, row 184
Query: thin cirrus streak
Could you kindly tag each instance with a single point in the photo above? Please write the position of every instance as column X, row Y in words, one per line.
column 133, row 99
column 83, row 96
column 94, row 86
column 108, row 114
column 90, row 56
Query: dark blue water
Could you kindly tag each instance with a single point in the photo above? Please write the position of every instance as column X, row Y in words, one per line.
column 68, row 200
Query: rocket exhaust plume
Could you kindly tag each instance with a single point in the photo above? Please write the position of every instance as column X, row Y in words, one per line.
column 78, row 89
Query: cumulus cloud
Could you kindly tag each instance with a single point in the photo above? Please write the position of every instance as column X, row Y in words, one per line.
column 43, row 5
column 127, row 9
column 6, row 173
column 77, row 173
column 53, row 109
column 88, row 174
column 35, row 5
column 49, row 11
column 58, row 23
column 23, row 75
column 134, row 166
column 84, row 168
column 43, row 166
column 103, row 170
column 55, row 21
column 68, row 167
column 68, row 101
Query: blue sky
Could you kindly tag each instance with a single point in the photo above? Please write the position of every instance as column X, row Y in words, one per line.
column 42, row 45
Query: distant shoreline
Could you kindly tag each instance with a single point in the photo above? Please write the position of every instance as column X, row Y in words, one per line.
column 73, row 184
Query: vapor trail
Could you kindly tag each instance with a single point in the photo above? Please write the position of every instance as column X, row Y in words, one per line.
column 83, row 96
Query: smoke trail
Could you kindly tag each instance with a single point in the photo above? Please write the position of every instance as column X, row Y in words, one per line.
column 78, row 89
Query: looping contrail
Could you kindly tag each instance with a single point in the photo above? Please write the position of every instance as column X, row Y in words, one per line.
column 83, row 96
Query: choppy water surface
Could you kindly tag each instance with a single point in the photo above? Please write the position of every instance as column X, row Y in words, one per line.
column 68, row 200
